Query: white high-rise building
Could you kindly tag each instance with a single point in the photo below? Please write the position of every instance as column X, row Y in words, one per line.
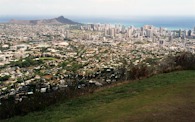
column 105, row 32
column 149, row 33
column 129, row 32
column 112, row 32
column 123, row 29
column 67, row 34
column 142, row 31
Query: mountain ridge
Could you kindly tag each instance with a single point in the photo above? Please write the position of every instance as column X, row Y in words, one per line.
column 55, row 21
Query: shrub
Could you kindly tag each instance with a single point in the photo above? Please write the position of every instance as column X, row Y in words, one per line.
column 4, row 78
column 139, row 71
column 186, row 60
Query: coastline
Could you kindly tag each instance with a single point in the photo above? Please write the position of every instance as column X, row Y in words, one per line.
column 170, row 23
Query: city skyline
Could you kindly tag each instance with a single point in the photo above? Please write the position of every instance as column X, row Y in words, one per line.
column 97, row 8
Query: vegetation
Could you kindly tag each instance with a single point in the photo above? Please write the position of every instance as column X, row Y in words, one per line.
column 71, row 66
column 139, row 42
column 20, row 80
column 47, row 58
column 44, row 49
column 186, row 60
column 4, row 78
column 126, row 73
column 164, row 97
column 140, row 71
column 27, row 62
column 182, row 61
column 67, row 39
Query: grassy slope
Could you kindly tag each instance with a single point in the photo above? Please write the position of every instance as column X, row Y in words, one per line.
column 164, row 97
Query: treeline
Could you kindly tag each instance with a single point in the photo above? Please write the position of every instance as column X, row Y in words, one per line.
column 36, row 102
column 40, row 101
column 181, row 61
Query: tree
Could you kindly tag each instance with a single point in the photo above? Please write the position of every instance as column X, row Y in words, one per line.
column 4, row 78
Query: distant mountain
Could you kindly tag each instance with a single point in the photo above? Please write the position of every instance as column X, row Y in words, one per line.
column 54, row 21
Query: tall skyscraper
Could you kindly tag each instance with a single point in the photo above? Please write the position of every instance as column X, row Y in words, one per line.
column 105, row 32
column 170, row 38
column 149, row 33
column 113, row 32
column 179, row 34
column 183, row 36
column 129, row 33
column 142, row 31
column 189, row 33
column 123, row 29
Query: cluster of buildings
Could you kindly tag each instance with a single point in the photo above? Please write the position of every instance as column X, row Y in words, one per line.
column 147, row 31
column 91, row 54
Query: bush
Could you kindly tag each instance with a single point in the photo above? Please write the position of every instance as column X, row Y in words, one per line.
column 186, row 60
column 139, row 71
column 167, row 65
column 4, row 78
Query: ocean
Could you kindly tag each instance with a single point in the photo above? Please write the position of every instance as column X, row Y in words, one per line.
column 169, row 22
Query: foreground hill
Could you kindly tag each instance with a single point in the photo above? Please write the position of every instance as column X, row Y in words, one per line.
column 54, row 21
column 164, row 98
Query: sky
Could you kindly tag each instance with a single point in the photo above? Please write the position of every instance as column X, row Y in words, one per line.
column 97, row 8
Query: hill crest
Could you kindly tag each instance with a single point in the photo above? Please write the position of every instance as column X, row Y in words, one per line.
column 55, row 21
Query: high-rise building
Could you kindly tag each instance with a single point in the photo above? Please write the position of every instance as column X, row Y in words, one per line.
column 129, row 33
column 105, row 32
column 113, row 32
column 161, row 42
column 170, row 38
column 93, row 27
column 185, row 33
column 123, row 29
column 147, row 27
column 142, row 31
column 149, row 33
column 142, row 28
column 67, row 34
column 183, row 36
column 161, row 30
column 180, row 33
column 189, row 33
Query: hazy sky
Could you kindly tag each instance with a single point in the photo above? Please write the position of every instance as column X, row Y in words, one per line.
column 98, row 8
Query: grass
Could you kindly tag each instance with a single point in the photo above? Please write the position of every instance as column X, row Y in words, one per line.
column 164, row 97
column 47, row 58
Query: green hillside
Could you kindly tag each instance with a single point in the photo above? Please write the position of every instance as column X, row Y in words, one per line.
column 166, row 97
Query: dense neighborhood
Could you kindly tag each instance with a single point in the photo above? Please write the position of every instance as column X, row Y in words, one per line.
column 46, row 58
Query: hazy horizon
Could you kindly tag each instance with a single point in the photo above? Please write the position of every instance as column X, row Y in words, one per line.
column 89, row 18
column 170, row 22
column 166, row 13
column 97, row 8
